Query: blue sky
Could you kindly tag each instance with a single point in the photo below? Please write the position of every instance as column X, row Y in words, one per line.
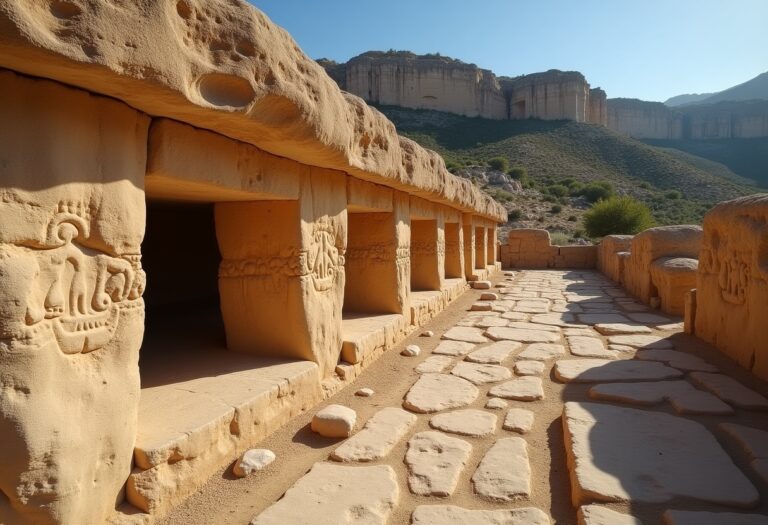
column 648, row 49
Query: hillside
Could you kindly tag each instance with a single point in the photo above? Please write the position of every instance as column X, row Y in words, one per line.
column 685, row 99
column 753, row 89
column 554, row 152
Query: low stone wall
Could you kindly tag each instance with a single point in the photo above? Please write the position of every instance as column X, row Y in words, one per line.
column 532, row 248
column 608, row 259
column 730, row 306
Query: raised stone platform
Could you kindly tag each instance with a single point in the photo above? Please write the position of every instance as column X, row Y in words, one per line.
column 366, row 336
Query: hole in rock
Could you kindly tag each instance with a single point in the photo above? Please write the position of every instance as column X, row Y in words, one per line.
column 226, row 90
column 63, row 9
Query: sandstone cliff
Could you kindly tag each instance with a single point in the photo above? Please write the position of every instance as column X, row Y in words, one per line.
column 644, row 120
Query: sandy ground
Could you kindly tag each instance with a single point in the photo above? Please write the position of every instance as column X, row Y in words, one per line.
column 227, row 500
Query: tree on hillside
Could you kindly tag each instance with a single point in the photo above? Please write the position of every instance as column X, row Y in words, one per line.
column 617, row 215
column 498, row 163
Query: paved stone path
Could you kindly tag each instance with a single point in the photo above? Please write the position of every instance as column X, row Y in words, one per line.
column 568, row 403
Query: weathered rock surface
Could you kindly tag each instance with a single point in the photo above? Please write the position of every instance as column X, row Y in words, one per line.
column 336, row 494
column 504, row 473
column 365, row 392
column 730, row 390
column 496, row 404
column 469, row 422
column 597, row 515
column 754, row 443
column 542, row 352
column 623, row 454
column 334, row 421
column 480, row 374
column 435, row 392
column 520, row 389
column 495, row 353
column 435, row 462
column 466, row 334
column 529, row 368
column 378, row 437
column 676, row 359
column 601, row 370
column 411, row 351
column 451, row 515
column 621, row 329
column 453, row 348
column 685, row 399
column 434, row 364
column 650, row 342
column 589, row 347
column 522, row 335
column 251, row 461
column 518, row 420
column 481, row 306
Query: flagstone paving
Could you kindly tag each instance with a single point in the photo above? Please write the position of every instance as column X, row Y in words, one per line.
column 568, row 403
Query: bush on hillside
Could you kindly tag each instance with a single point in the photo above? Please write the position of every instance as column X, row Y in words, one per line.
column 498, row 163
column 556, row 208
column 617, row 215
column 558, row 190
column 559, row 239
column 575, row 187
column 597, row 191
column 673, row 195
column 518, row 173
column 514, row 215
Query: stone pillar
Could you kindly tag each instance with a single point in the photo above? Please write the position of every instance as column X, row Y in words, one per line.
column 491, row 244
column 468, row 234
column 281, row 279
column 425, row 264
column 71, row 315
column 454, row 254
column 401, row 210
column 481, row 252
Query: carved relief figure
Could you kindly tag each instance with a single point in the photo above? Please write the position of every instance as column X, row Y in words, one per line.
column 324, row 259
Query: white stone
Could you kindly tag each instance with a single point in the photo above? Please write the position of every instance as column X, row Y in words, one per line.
column 515, row 316
column 603, row 370
column 495, row 353
column 435, row 462
column 518, row 420
column 729, row 390
column 504, row 473
column 542, row 352
column 334, row 421
column 584, row 332
column 365, row 392
column 466, row 334
column 480, row 374
column 520, row 389
column 337, row 495
column 529, row 368
column 467, row 422
column 411, row 351
column 427, row 333
column 496, row 404
column 489, row 296
column 589, row 347
column 621, row 329
column 378, row 437
column 252, row 461
column 596, row 515
column 481, row 306
column 453, row 348
column 488, row 321
column 649, row 342
column 434, row 364
column 521, row 335
column 451, row 515
column 533, row 326
column 685, row 399
column 622, row 348
column 435, row 392
column 481, row 285
column 676, row 359
column 533, row 306
column 624, row 454
column 692, row 517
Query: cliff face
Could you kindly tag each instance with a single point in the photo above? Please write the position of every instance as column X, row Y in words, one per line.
column 598, row 107
column 553, row 95
column 644, row 120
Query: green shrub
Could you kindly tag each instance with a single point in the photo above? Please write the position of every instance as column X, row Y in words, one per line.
column 518, row 173
column 558, row 190
column 617, row 215
column 498, row 163
column 549, row 198
column 575, row 187
column 673, row 195
column 559, row 239
column 645, row 185
column 556, row 208
column 572, row 218
column 567, row 181
column 598, row 190
column 514, row 215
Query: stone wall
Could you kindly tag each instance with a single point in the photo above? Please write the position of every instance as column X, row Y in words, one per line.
column 608, row 260
column 644, row 120
column 532, row 248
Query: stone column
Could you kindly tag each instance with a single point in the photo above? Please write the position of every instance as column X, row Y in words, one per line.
column 481, row 252
column 454, row 254
column 401, row 210
column 71, row 315
column 491, row 245
column 425, row 261
column 281, row 279
column 468, row 234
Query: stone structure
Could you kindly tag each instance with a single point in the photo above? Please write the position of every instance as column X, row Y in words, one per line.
column 731, row 301
column 532, row 248
column 608, row 259
column 553, row 95
column 256, row 199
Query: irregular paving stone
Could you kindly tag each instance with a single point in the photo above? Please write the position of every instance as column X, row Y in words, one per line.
column 650, row 342
column 378, row 437
column 541, row 352
column 691, row 517
column 435, row 392
column 489, row 296
column 596, row 515
column 533, row 306
column 729, row 390
column 488, row 321
column 676, row 359
column 411, row 351
column 566, row 320
column 515, row 316
column 504, row 473
column 522, row 335
column 685, row 399
column 624, row 454
column 365, row 392
column 468, row 422
column 671, row 327
column 520, row 389
column 495, row 353
column 496, row 404
column 602, row 370
column 622, row 348
column 533, row 326
column 480, row 374
column 589, row 347
column 481, row 285
column 435, row 462
column 499, row 308
column 529, row 368
column 451, row 515
column 585, row 332
column 434, row 364
column 466, row 334
column 754, row 442
column 595, row 319
column 453, row 348
column 481, row 306
column 621, row 329
column 334, row 421
column 518, row 420
column 649, row 318
column 335, row 495
column 252, row 461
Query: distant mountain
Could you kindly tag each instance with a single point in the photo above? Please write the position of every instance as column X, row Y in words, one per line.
column 688, row 98
column 755, row 89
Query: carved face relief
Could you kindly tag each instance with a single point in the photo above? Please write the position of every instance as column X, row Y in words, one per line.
column 734, row 276
column 75, row 294
column 324, row 259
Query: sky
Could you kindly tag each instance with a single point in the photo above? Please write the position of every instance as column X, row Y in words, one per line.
column 647, row 49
